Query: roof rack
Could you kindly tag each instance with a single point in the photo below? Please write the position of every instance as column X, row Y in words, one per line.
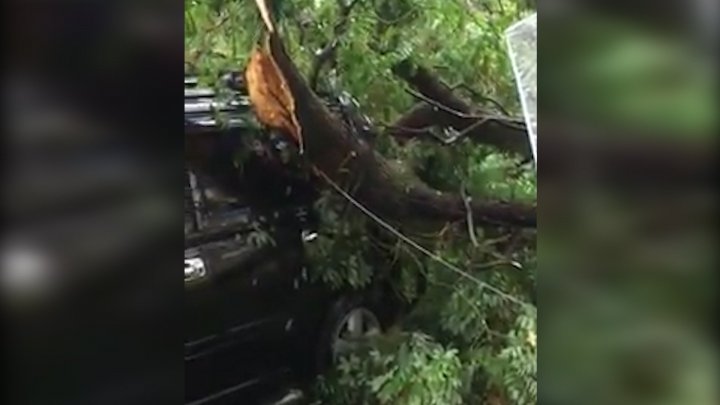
column 206, row 111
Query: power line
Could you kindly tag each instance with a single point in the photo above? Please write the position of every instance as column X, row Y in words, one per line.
column 417, row 246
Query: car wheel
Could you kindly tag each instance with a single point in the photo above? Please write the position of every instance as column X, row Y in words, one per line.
column 357, row 326
column 352, row 321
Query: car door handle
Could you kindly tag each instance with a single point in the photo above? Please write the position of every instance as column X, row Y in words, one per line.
column 309, row 236
column 194, row 269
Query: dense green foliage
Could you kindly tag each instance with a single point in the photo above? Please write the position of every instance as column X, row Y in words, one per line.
column 464, row 342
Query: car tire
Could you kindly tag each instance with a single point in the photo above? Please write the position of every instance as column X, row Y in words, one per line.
column 354, row 314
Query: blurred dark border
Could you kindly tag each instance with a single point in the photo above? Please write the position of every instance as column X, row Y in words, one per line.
column 93, row 182
column 628, row 202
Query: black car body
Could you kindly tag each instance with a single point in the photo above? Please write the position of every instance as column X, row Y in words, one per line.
column 255, row 321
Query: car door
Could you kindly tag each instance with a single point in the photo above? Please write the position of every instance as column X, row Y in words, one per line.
column 256, row 273
column 202, row 325
column 202, row 304
column 251, row 267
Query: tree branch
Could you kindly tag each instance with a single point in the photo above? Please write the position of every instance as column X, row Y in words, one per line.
column 327, row 53
column 504, row 133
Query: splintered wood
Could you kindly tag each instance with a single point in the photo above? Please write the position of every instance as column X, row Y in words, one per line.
column 272, row 101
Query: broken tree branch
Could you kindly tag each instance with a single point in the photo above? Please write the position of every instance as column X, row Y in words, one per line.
column 285, row 101
column 504, row 133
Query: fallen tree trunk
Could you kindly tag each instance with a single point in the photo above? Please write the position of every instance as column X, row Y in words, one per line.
column 283, row 100
column 482, row 126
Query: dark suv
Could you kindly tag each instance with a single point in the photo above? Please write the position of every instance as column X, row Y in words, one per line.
column 255, row 320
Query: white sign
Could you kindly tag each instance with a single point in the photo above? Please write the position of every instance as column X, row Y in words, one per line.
column 522, row 45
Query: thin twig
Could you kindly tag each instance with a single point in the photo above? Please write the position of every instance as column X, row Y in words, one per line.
column 481, row 97
column 498, row 118
column 465, row 131
column 428, row 130
column 419, row 131
column 438, row 104
column 471, row 227
column 496, row 263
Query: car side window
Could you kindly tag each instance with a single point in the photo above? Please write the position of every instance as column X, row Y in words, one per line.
column 209, row 205
column 214, row 213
